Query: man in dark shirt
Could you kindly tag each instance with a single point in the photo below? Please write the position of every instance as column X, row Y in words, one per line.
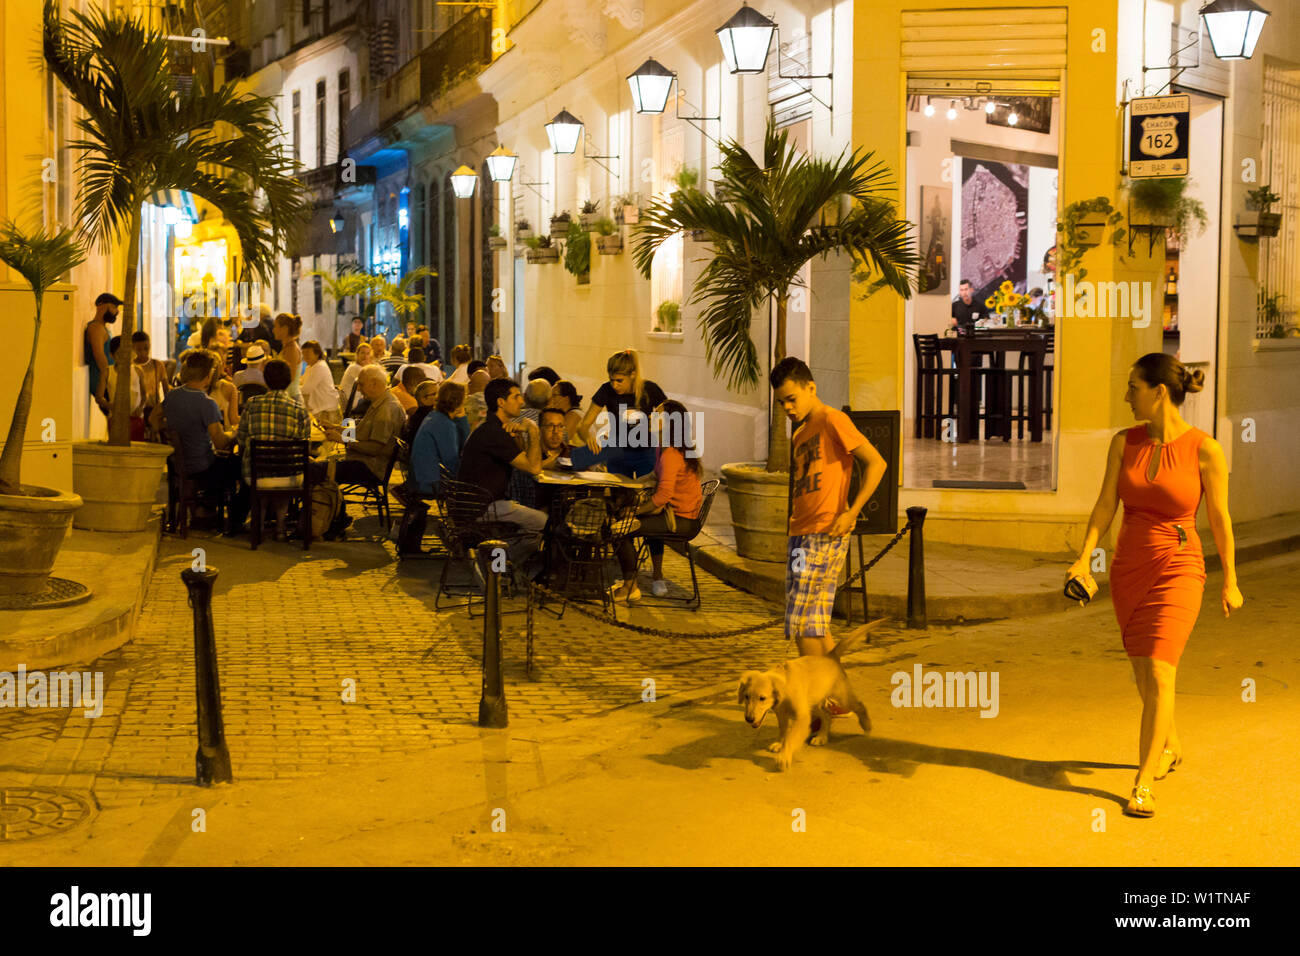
column 965, row 310
column 491, row 453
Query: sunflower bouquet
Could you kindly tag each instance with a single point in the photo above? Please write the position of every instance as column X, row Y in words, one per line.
column 1005, row 301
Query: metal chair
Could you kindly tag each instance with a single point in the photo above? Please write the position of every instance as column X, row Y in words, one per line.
column 461, row 527
column 183, row 492
column 931, row 375
column 682, row 544
column 587, row 532
column 376, row 489
column 278, row 472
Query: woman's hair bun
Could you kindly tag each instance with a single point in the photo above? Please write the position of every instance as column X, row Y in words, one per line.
column 1193, row 379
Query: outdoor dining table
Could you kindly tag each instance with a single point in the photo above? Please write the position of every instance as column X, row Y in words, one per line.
column 1032, row 342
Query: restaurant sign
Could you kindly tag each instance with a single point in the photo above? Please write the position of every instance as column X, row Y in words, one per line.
column 1158, row 136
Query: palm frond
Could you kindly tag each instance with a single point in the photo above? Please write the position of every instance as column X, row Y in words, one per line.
column 41, row 258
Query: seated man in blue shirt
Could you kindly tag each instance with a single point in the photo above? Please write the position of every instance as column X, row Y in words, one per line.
column 196, row 420
column 436, row 445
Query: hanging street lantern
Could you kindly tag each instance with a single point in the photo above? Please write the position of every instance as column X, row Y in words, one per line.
column 1234, row 27
column 501, row 164
column 745, row 40
column 564, row 132
column 650, row 85
column 463, row 181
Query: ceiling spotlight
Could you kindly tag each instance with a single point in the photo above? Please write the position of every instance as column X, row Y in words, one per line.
column 929, row 109
column 952, row 109
column 990, row 106
column 1012, row 118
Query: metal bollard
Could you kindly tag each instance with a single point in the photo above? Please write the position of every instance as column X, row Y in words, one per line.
column 492, row 701
column 212, row 759
column 916, row 569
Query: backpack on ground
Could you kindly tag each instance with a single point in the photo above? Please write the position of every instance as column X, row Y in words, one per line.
column 326, row 502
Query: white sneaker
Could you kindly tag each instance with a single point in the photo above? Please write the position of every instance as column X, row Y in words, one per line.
column 659, row 588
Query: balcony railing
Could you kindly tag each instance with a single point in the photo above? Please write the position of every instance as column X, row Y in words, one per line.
column 461, row 51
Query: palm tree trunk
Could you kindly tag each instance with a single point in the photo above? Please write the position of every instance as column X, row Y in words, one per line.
column 12, row 458
column 778, row 443
column 119, row 422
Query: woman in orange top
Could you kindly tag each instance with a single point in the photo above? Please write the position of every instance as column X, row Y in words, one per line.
column 1159, row 469
column 678, row 485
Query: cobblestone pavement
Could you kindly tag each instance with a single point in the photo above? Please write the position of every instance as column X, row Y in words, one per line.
column 294, row 627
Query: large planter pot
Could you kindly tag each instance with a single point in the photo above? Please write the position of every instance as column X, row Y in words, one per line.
column 119, row 484
column 759, row 505
column 32, row 529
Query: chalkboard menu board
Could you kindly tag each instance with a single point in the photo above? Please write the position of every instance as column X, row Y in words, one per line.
column 881, row 428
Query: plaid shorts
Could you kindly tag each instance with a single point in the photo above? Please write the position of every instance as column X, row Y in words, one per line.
column 811, row 575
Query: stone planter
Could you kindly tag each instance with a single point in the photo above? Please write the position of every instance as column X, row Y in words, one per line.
column 32, row 529
column 118, row 484
column 759, row 506
column 559, row 228
column 609, row 245
column 545, row 254
column 497, row 242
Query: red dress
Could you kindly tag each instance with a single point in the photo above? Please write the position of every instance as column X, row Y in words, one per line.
column 1157, row 578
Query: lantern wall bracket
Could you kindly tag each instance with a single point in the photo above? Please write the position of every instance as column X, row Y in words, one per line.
column 588, row 143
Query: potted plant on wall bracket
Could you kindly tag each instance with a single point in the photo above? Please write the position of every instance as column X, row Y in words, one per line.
column 577, row 253
column 1275, row 317
column 590, row 213
column 610, row 240
column 1082, row 226
column 495, row 239
column 627, row 209
column 523, row 230
column 560, row 225
column 687, row 178
column 33, row 520
column 760, row 247
column 540, row 249
column 1157, row 204
column 1257, row 222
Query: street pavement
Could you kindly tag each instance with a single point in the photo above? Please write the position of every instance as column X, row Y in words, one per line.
column 590, row 772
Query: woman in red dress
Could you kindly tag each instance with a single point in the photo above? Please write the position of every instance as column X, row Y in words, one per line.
column 1160, row 468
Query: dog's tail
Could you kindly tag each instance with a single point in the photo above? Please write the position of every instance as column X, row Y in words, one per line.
column 856, row 638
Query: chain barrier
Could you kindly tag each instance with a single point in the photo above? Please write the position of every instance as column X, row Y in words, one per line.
column 604, row 618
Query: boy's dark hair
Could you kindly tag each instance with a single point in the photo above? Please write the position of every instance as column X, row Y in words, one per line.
column 412, row 377
column 497, row 391
column 790, row 369
column 196, row 364
column 277, row 375
column 474, row 366
column 139, row 335
column 414, row 355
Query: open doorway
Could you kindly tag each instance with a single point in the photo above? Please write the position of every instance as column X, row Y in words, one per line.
column 982, row 185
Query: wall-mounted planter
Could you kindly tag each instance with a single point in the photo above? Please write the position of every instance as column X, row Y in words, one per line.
column 1090, row 230
column 584, row 278
column 545, row 254
column 1253, row 224
column 522, row 234
column 627, row 215
column 588, row 220
column 559, row 228
column 609, row 245
column 497, row 242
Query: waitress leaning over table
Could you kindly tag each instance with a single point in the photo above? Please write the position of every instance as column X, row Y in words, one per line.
column 1159, row 469
column 628, row 398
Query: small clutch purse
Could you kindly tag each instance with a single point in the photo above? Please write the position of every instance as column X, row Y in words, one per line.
column 1081, row 589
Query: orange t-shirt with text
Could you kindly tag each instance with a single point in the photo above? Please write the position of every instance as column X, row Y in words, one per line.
column 823, row 463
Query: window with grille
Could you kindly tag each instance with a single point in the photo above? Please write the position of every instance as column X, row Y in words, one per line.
column 345, row 92
column 320, row 123
column 297, row 127
column 1279, row 257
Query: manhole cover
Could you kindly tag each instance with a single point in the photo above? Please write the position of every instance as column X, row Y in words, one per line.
column 27, row 813
column 58, row 592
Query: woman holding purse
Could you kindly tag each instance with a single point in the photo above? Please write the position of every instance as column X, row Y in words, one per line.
column 675, row 507
column 1159, row 468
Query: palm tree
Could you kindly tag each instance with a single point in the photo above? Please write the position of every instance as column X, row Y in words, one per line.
column 40, row 259
column 398, row 294
column 143, row 136
column 348, row 280
column 764, row 223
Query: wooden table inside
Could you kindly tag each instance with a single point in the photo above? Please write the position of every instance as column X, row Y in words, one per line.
column 593, row 479
column 1033, row 342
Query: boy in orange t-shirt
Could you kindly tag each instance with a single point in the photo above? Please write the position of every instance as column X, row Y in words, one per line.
column 824, row 446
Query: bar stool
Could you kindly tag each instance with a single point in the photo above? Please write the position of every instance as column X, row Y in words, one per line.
column 1049, row 366
column 931, row 374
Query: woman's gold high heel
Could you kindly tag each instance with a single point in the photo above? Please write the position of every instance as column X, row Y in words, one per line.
column 1140, row 804
column 1167, row 768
